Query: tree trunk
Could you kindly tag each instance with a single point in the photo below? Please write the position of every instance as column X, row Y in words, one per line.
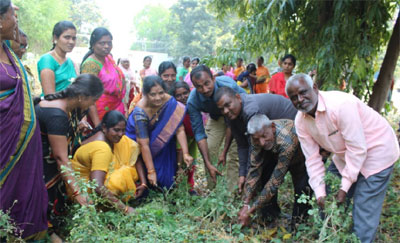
column 382, row 85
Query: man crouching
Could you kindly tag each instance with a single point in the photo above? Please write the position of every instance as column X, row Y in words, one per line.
column 275, row 150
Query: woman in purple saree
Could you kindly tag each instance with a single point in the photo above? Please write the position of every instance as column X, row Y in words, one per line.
column 22, row 191
column 154, row 123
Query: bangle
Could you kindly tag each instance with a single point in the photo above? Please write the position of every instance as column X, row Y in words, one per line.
column 126, row 209
column 151, row 171
column 144, row 184
column 76, row 193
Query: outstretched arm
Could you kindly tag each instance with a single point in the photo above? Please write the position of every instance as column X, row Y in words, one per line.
column 203, row 147
column 180, row 134
column 148, row 160
column 99, row 176
column 227, row 145
column 59, row 147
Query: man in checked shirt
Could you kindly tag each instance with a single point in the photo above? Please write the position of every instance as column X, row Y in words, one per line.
column 275, row 150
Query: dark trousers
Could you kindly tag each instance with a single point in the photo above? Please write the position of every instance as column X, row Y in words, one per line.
column 272, row 209
column 301, row 186
column 300, row 183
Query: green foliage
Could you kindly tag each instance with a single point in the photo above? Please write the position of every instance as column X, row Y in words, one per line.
column 186, row 29
column 151, row 28
column 37, row 19
column 86, row 16
column 177, row 218
column 192, row 28
column 340, row 39
column 212, row 218
column 337, row 224
column 8, row 228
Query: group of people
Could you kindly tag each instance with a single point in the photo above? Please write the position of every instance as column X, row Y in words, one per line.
column 88, row 126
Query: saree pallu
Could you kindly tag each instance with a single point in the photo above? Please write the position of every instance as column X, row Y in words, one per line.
column 162, row 140
column 277, row 84
column 22, row 191
column 114, row 90
column 122, row 175
column 119, row 164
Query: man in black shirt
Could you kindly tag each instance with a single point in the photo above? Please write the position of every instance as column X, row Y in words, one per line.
column 239, row 108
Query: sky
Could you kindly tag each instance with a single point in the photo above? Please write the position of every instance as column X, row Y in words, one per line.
column 119, row 15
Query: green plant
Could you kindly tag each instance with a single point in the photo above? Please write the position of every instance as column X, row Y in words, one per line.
column 8, row 230
column 212, row 217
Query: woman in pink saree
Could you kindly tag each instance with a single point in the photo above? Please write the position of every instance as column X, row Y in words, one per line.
column 98, row 61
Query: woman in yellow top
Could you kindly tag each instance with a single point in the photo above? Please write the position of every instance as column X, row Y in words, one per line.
column 111, row 158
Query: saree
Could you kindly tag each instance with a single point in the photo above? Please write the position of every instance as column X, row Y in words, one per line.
column 119, row 164
column 122, row 176
column 161, row 135
column 63, row 74
column 114, row 91
column 277, row 84
column 22, row 191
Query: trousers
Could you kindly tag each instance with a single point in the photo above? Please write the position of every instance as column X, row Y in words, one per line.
column 215, row 130
column 369, row 194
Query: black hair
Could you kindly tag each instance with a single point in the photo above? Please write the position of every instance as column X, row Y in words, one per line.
column 86, row 85
column 261, row 58
column 4, row 6
column 196, row 59
column 185, row 59
column 178, row 85
column 60, row 27
column 165, row 66
column 239, row 59
column 224, row 90
column 251, row 67
column 119, row 61
column 220, row 73
column 96, row 35
column 291, row 57
column 147, row 57
column 110, row 119
column 151, row 81
column 196, row 72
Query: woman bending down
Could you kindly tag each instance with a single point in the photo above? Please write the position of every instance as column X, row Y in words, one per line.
column 111, row 159
column 154, row 123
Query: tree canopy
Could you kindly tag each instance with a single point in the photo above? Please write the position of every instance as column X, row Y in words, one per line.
column 38, row 17
column 151, row 29
column 340, row 39
column 187, row 28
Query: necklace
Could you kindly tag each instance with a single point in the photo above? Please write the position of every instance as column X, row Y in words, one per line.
column 62, row 60
column 155, row 115
column 5, row 69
